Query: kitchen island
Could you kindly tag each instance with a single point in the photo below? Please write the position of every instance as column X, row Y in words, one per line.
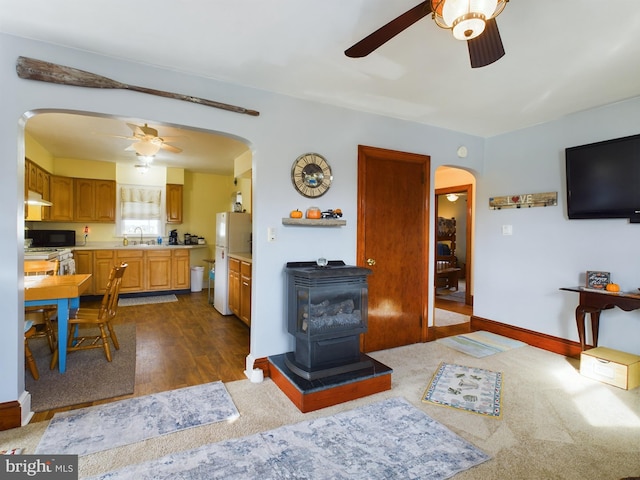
column 151, row 268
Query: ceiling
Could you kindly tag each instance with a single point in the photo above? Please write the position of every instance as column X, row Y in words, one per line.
column 561, row 56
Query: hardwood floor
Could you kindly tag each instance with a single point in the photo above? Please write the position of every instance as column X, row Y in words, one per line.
column 458, row 307
column 179, row 344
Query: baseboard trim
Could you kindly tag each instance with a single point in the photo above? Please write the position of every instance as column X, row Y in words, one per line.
column 10, row 415
column 557, row 345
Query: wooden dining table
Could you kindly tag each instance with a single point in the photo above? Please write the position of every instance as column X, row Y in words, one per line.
column 61, row 290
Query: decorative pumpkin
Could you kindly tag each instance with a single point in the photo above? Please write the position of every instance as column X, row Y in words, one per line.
column 295, row 213
column 612, row 287
column 314, row 212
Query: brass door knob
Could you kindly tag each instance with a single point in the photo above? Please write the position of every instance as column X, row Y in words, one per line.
column 371, row 262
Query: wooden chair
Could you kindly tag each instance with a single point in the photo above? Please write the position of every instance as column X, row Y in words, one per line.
column 29, row 332
column 41, row 315
column 96, row 317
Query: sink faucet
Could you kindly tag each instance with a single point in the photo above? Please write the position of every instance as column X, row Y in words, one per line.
column 135, row 230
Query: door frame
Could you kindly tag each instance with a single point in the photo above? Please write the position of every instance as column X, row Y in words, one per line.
column 468, row 189
column 395, row 155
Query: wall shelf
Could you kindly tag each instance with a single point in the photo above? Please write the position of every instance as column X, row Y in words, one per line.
column 312, row 222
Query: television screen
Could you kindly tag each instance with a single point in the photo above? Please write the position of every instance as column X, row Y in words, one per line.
column 603, row 179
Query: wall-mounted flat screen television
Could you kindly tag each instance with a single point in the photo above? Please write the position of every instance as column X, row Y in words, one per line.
column 603, row 179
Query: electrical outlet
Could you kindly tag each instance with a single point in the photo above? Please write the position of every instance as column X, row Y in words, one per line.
column 507, row 229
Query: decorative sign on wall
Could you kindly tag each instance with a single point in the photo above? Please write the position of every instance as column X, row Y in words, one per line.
column 524, row 200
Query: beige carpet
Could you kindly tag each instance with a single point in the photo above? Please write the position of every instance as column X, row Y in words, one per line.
column 556, row 424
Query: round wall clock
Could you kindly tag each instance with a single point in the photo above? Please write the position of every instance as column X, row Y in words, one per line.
column 311, row 175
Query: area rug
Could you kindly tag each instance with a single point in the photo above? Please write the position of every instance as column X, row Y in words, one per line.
column 389, row 439
column 480, row 344
column 88, row 377
column 467, row 388
column 101, row 427
column 131, row 301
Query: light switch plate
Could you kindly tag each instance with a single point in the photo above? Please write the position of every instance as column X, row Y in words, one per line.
column 507, row 229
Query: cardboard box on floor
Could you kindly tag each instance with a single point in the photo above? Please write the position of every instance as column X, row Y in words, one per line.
column 610, row 366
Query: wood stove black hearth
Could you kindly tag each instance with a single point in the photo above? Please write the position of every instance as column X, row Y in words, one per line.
column 326, row 313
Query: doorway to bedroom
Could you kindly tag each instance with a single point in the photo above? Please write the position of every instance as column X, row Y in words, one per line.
column 453, row 247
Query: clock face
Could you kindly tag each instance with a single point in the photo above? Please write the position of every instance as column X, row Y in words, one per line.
column 311, row 175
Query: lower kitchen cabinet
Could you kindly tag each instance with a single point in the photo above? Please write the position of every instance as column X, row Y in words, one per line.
column 245, row 292
column 134, row 276
column 240, row 289
column 234, row 286
column 181, row 267
column 147, row 271
column 158, row 270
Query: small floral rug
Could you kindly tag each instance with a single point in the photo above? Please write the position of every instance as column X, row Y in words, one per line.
column 388, row 439
column 467, row 388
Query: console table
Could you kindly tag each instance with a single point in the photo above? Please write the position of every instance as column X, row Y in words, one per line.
column 593, row 302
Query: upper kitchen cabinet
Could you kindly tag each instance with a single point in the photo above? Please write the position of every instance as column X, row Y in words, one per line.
column 94, row 200
column 174, row 203
column 61, row 194
column 82, row 200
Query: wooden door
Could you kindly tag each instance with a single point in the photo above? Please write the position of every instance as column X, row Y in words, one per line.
column 393, row 210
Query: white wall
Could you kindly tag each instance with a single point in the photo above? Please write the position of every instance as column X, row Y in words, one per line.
column 517, row 277
column 285, row 128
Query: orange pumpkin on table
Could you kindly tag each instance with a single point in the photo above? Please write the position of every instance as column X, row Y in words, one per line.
column 295, row 214
column 612, row 287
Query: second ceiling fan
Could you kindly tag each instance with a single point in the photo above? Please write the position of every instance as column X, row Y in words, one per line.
column 470, row 20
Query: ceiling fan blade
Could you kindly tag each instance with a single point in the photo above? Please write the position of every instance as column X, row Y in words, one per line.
column 170, row 148
column 385, row 33
column 487, row 48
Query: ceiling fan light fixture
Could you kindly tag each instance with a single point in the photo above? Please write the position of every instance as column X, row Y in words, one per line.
column 145, row 158
column 466, row 18
column 146, row 148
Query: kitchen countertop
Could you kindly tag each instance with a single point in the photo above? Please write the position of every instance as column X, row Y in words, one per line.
column 242, row 256
column 116, row 246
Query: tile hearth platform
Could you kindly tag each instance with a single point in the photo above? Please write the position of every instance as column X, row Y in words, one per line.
column 310, row 395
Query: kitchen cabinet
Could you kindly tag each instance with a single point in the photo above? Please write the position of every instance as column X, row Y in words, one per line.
column 149, row 270
column 84, row 264
column 181, row 267
column 245, row 292
column 61, row 196
column 94, row 200
column 134, row 276
column 174, row 203
column 240, row 289
column 234, row 286
column 103, row 261
column 46, row 195
column 158, row 270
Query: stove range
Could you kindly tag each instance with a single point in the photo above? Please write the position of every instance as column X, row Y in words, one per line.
column 63, row 255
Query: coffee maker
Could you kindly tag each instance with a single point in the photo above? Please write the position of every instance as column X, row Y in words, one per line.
column 173, row 237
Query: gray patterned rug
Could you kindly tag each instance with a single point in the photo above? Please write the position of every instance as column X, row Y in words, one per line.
column 389, row 439
column 131, row 301
column 93, row 429
column 89, row 377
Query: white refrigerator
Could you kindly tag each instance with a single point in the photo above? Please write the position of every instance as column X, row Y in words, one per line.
column 233, row 235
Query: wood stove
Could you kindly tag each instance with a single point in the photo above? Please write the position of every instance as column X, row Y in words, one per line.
column 326, row 313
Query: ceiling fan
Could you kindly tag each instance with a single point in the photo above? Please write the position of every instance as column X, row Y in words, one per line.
column 470, row 20
column 147, row 142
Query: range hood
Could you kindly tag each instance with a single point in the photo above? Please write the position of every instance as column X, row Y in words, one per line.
column 34, row 198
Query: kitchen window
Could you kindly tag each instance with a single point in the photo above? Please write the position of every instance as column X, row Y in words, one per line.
column 142, row 207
